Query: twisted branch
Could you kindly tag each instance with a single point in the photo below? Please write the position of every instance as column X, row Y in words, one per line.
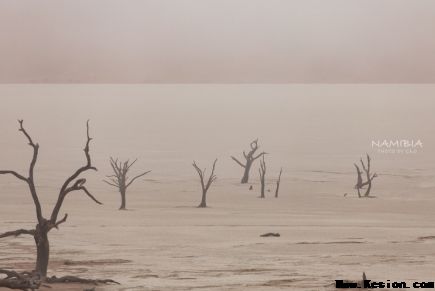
column 78, row 185
column 29, row 180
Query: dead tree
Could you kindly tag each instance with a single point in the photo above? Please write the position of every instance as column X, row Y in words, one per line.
column 250, row 158
column 278, row 182
column 360, row 184
column 205, row 185
column 43, row 226
column 262, row 172
column 120, row 180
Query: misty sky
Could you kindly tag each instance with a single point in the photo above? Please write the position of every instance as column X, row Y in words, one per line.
column 217, row 41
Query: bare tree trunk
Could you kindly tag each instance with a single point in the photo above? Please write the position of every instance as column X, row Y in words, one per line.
column 123, row 202
column 262, row 171
column 42, row 251
column 245, row 178
column 369, row 188
column 278, row 182
column 203, row 203
column 262, row 190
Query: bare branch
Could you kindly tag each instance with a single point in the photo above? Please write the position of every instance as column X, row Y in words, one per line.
column 129, row 165
column 200, row 173
column 56, row 225
column 83, row 188
column 65, row 187
column 15, row 174
column 86, row 149
column 369, row 178
column 357, row 168
column 18, row 233
column 138, row 176
column 111, row 184
column 114, row 165
column 363, row 165
column 212, row 177
column 260, row 155
column 30, row 180
column 238, row 162
column 74, row 279
column 31, row 143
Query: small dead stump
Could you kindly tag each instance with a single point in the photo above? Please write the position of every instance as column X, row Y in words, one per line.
column 271, row 234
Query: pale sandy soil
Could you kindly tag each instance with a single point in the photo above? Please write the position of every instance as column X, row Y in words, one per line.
column 164, row 243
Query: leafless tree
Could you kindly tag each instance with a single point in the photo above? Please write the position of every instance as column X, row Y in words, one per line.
column 278, row 182
column 205, row 185
column 250, row 158
column 360, row 184
column 120, row 180
column 40, row 233
column 262, row 172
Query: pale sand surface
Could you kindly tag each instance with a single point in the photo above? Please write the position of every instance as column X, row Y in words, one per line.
column 164, row 243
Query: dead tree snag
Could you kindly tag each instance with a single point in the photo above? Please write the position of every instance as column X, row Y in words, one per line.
column 278, row 182
column 360, row 184
column 205, row 185
column 43, row 226
column 250, row 158
column 262, row 172
column 120, row 180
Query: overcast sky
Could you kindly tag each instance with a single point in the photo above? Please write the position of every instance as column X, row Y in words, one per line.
column 217, row 41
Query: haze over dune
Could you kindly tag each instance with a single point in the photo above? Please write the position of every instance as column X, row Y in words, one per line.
column 215, row 41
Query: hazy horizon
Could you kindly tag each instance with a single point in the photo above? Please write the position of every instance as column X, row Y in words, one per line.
column 217, row 41
column 168, row 126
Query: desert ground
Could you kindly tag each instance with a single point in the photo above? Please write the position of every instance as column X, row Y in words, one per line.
column 163, row 242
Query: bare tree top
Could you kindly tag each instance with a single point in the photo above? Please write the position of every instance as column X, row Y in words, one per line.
column 120, row 169
column 201, row 173
column 250, row 156
column 72, row 183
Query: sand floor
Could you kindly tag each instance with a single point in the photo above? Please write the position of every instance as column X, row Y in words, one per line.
column 164, row 243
